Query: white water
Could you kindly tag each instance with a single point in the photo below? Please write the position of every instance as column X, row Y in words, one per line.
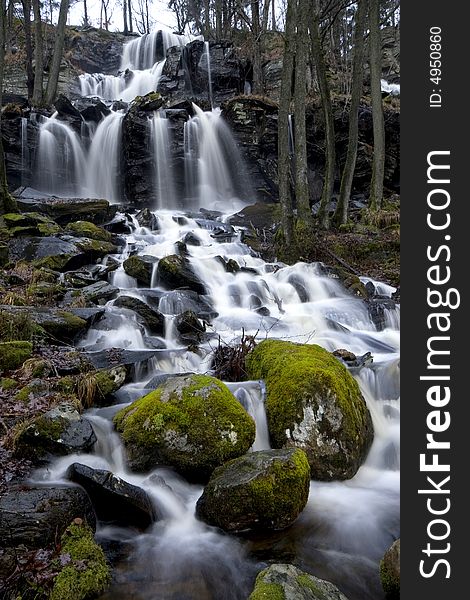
column 391, row 88
column 164, row 177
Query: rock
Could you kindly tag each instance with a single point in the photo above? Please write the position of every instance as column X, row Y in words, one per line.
column 68, row 112
column 30, row 223
column 190, row 329
column 178, row 301
column 59, row 431
column 105, row 359
column 263, row 490
column 86, row 573
column 99, row 292
column 192, row 423
column 92, row 109
column 152, row 319
column 378, row 308
column 114, row 499
column 146, row 218
column 36, row 516
column 13, row 354
column 97, row 388
column 286, row 582
column 89, row 230
column 176, row 272
column 390, row 571
column 141, row 268
column 315, row 404
column 95, row 50
column 191, row 239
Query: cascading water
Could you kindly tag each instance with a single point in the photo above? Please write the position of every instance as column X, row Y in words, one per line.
column 207, row 56
column 164, row 176
column 24, row 149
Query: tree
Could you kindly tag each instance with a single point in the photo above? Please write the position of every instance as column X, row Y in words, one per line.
column 85, row 13
column 285, row 197
column 330, row 158
column 38, row 55
column 375, row 61
column 28, row 46
column 341, row 213
column 255, row 29
column 54, row 71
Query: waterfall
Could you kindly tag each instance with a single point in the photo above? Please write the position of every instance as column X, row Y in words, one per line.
column 160, row 146
column 24, row 149
column 103, row 163
column 209, row 73
column 61, row 164
column 141, row 54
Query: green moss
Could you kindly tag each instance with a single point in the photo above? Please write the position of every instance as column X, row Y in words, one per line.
column 88, row 574
column 45, row 290
column 58, row 262
column 390, row 584
column 74, row 323
column 6, row 383
column 135, row 267
column 266, row 591
column 297, row 375
column 66, row 385
column 13, row 354
column 194, row 423
column 305, row 581
column 98, row 247
column 89, row 230
column 49, row 229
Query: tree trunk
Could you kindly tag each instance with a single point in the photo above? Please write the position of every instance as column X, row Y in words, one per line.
column 28, row 47
column 85, row 13
column 7, row 203
column 257, row 71
column 330, row 158
column 38, row 56
column 207, row 20
column 378, row 163
column 124, row 17
column 129, row 12
column 265, row 18
column 341, row 213
column 54, row 71
column 285, row 197
column 300, row 95
column 218, row 19
column 147, row 22
column 273, row 16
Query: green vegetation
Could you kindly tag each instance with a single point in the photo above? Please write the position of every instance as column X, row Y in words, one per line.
column 13, row 354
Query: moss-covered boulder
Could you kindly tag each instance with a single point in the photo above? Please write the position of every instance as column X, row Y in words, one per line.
column 175, row 272
column 141, row 268
column 89, row 230
column 315, row 404
column 390, row 571
column 13, row 354
column 30, row 223
column 85, row 573
column 59, row 431
column 97, row 387
column 261, row 490
column 286, row 582
column 193, row 423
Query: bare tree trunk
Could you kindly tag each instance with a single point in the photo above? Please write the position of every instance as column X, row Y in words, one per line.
column 330, row 158
column 38, row 56
column 265, row 17
column 207, row 20
column 273, row 15
column 147, row 23
column 124, row 17
column 218, row 19
column 28, row 47
column 378, row 163
column 7, row 203
column 257, row 70
column 85, row 13
column 300, row 95
column 285, row 197
column 129, row 12
column 341, row 213
column 54, row 71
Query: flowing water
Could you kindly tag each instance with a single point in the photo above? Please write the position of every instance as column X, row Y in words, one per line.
column 346, row 526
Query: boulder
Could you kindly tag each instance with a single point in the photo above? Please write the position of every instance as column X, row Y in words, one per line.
column 192, row 423
column 286, row 582
column 263, row 490
column 141, row 268
column 67, row 112
column 175, row 272
column 30, row 223
column 152, row 319
column 92, row 109
column 89, row 230
column 189, row 327
column 58, row 432
column 114, row 499
column 146, row 218
column 99, row 292
column 36, row 516
column 178, row 301
column 390, row 571
column 97, row 388
column 315, row 404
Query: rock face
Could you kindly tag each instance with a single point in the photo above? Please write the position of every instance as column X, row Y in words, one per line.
column 113, row 499
column 261, row 490
column 313, row 403
column 390, row 571
column 193, row 423
column 35, row 516
column 286, row 582
column 58, row 432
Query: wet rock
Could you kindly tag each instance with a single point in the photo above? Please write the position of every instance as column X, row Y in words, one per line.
column 178, row 301
column 89, row 230
column 114, row 499
column 315, row 404
column 104, row 359
column 378, row 308
column 191, row 239
column 57, row 432
column 146, row 218
column 189, row 327
column 390, row 571
column 35, row 516
column 192, row 423
column 152, row 319
column 121, row 224
column 290, row 583
column 261, row 490
column 92, row 109
column 95, row 50
column 176, row 272
column 68, row 112
column 30, row 224
column 99, row 292
column 141, row 268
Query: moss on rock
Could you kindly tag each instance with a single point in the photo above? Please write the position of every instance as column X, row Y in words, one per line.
column 139, row 268
column 390, row 571
column 193, row 423
column 89, row 230
column 261, row 490
column 87, row 574
column 13, row 354
column 315, row 404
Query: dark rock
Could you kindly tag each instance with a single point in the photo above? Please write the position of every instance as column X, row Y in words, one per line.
column 121, row 224
column 141, row 268
column 176, row 272
column 92, row 109
column 57, row 432
column 191, row 239
column 108, row 358
column 378, row 307
column 68, row 112
column 390, row 571
column 178, row 301
column 37, row 516
column 261, row 490
column 95, row 50
column 145, row 218
column 114, row 499
column 99, row 292
column 152, row 319
column 190, row 329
